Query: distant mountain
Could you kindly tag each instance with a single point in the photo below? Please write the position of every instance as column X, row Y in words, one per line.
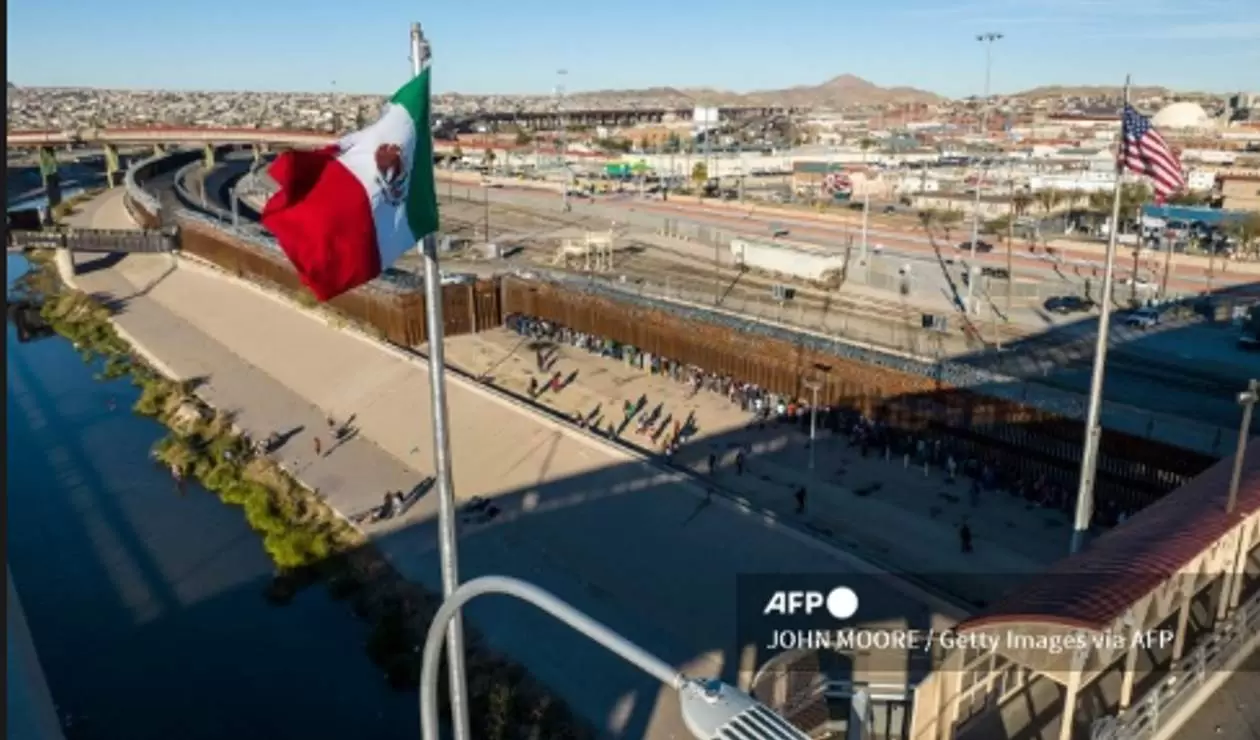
column 1091, row 91
column 844, row 90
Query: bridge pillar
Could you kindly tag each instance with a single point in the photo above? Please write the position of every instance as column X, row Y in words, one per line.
column 208, row 155
column 257, row 149
column 111, row 165
column 159, row 150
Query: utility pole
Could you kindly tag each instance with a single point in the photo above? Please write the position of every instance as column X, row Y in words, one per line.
column 987, row 39
column 1010, row 265
column 813, row 386
column 1168, row 254
column 1247, row 399
column 866, row 215
column 560, row 140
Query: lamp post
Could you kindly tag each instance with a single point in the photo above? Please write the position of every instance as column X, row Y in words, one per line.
column 1247, row 399
column 987, row 39
column 813, row 386
column 560, row 140
column 708, row 706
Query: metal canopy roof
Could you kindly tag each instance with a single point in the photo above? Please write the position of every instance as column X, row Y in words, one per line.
column 1094, row 588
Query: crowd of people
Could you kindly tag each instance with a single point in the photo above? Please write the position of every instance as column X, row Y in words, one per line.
column 956, row 457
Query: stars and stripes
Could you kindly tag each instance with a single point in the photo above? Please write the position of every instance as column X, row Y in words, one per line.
column 1144, row 152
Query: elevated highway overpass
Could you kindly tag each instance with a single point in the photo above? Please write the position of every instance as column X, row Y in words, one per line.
column 163, row 137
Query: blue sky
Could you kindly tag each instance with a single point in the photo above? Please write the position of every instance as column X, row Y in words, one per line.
column 513, row 47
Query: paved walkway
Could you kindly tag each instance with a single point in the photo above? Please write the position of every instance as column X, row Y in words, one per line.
column 635, row 547
column 899, row 516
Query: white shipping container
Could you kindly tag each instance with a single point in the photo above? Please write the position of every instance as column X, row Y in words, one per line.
column 788, row 260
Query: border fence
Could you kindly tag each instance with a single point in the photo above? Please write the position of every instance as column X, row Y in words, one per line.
column 1030, row 428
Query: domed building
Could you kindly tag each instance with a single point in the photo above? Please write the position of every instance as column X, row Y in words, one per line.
column 1183, row 116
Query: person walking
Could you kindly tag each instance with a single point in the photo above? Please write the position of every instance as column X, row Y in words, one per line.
column 964, row 537
column 739, row 463
column 800, row 500
column 319, row 448
column 712, row 464
column 533, row 387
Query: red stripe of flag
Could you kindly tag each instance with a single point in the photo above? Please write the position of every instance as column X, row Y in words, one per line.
column 1144, row 152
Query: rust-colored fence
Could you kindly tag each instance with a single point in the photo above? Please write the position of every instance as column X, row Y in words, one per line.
column 396, row 314
column 1132, row 471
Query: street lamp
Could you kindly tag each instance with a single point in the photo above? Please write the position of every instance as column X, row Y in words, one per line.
column 987, row 39
column 1247, row 399
column 813, row 386
column 711, row 710
column 560, row 140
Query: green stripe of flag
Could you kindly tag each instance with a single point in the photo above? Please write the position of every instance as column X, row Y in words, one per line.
column 422, row 207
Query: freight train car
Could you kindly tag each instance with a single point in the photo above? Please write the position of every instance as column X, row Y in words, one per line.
column 788, row 260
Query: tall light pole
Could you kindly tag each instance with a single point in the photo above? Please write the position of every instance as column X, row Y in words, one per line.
column 447, row 537
column 560, row 140
column 987, row 39
column 813, row 386
column 1247, row 399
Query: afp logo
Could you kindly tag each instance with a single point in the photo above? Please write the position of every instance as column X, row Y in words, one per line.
column 840, row 602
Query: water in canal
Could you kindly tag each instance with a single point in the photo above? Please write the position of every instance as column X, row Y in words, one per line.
column 146, row 605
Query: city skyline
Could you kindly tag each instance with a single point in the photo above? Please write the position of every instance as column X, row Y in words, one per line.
column 511, row 50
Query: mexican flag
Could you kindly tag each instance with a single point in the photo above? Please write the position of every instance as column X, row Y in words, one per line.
column 345, row 213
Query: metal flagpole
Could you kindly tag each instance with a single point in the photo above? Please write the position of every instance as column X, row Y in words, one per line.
column 441, row 440
column 1093, row 427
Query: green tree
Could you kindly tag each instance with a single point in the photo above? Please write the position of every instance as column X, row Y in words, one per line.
column 700, row 173
column 1048, row 199
column 673, row 142
column 928, row 217
column 1189, row 198
column 866, row 143
column 1247, row 231
column 487, row 158
column 458, row 152
column 1020, row 202
column 1133, row 196
column 523, row 138
column 1100, row 202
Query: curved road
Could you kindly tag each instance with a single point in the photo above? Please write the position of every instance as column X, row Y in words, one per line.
column 911, row 244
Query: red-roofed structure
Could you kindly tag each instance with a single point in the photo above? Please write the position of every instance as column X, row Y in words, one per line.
column 1176, row 569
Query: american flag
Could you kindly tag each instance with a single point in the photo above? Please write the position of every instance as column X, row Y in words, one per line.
column 1144, row 152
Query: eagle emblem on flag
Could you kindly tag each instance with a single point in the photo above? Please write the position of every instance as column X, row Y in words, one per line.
column 391, row 173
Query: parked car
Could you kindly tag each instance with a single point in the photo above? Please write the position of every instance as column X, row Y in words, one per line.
column 1067, row 304
column 778, row 230
column 1143, row 318
column 981, row 246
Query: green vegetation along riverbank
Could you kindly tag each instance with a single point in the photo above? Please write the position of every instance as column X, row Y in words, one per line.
column 308, row 542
